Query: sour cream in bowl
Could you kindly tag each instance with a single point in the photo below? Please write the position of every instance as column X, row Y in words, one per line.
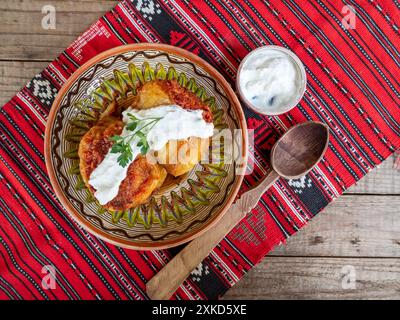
column 271, row 80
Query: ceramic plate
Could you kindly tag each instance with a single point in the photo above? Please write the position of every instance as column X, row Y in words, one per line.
column 183, row 208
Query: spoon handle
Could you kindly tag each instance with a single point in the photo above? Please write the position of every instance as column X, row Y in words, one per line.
column 168, row 280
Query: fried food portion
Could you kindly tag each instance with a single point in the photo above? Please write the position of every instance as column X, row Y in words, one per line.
column 151, row 95
column 140, row 182
column 177, row 157
column 180, row 156
column 142, row 179
column 164, row 92
column 95, row 145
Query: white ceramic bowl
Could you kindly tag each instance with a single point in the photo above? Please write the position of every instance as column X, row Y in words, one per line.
column 271, row 111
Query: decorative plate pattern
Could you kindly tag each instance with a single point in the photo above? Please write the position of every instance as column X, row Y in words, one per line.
column 183, row 207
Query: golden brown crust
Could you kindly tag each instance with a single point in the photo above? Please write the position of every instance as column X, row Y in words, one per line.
column 150, row 95
column 141, row 180
column 163, row 92
column 95, row 144
column 179, row 157
column 142, row 177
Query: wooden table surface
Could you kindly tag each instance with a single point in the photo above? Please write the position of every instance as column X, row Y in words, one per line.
column 359, row 232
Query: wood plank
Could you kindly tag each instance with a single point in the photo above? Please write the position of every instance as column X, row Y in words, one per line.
column 382, row 180
column 61, row 5
column 352, row 226
column 33, row 47
column 319, row 278
column 21, row 28
column 14, row 75
column 348, row 233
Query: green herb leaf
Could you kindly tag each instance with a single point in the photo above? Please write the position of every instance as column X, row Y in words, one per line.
column 132, row 117
column 131, row 126
column 117, row 148
column 122, row 144
column 141, row 135
column 144, row 149
column 125, row 157
column 123, row 160
column 116, row 138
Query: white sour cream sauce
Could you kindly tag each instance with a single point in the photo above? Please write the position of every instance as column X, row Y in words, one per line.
column 176, row 124
column 269, row 80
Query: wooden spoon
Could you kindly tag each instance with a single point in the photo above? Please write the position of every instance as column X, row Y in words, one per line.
column 292, row 156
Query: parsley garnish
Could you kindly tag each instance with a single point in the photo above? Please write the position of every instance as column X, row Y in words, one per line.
column 122, row 145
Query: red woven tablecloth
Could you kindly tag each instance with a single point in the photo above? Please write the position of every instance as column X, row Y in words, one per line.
column 353, row 86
